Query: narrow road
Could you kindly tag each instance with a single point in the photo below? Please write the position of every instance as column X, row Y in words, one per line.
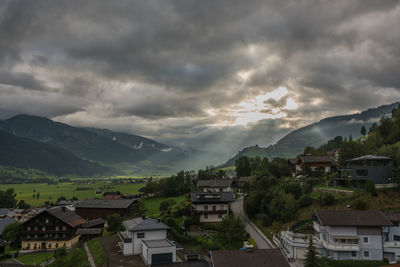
column 89, row 255
column 237, row 209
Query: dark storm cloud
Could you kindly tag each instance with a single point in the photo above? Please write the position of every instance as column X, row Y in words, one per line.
column 178, row 70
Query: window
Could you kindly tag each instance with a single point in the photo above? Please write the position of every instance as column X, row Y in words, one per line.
column 205, row 216
column 64, row 235
column 29, row 228
column 362, row 172
column 396, row 237
column 28, row 236
column 57, row 228
column 36, row 236
column 57, row 245
column 36, row 228
column 47, row 220
column 366, row 254
column 324, row 237
column 222, row 207
column 28, row 246
column 56, row 235
column 64, row 228
column 205, row 207
column 43, row 228
column 214, row 208
column 34, row 246
column 219, row 216
column 140, row 235
column 49, row 245
column 354, row 254
column 46, row 236
column 365, row 240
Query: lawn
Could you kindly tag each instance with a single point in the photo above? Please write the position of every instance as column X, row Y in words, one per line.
column 53, row 191
column 152, row 204
column 97, row 251
column 35, row 258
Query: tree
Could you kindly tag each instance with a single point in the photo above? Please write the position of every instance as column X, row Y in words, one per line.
column 12, row 234
column 243, row 167
column 23, row 205
column 114, row 222
column 60, row 252
column 167, row 204
column 363, row 131
column 7, row 198
column 370, row 188
column 312, row 256
column 232, row 231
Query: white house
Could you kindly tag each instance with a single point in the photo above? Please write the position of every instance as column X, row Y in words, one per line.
column 215, row 185
column 212, row 207
column 344, row 235
column 391, row 237
column 148, row 238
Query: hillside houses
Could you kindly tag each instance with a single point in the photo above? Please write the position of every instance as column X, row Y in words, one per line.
column 101, row 208
column 348, row 235
column 211, row 207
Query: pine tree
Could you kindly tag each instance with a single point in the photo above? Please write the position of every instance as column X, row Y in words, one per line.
column 312, row 256
column 363, row 131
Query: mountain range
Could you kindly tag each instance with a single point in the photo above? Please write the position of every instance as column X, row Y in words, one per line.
column 316, row 134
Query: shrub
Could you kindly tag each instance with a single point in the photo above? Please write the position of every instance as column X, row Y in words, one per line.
column 326, row 199
column 305, row 201
column 360, row 204
column 114, row 222
column 370, row 188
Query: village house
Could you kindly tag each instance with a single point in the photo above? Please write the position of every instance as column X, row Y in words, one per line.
column 323, row 164
column 391, row 236
column 211, row 207
column 50, row 229
column 101, row 208
column 378, row 169
column 148, row 238
column 256, row 258
column 215, row 185
column 341, row 235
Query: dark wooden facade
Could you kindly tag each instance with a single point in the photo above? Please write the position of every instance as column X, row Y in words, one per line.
column 94, row 213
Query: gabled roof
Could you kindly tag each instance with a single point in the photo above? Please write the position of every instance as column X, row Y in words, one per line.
column 220, row 197
column 352, row 218
column 4, row 211
column 89, row 231
column 144, row 224
column 256, row 258
column 370, row 157
column 317, row 159
column 215, row 183
column 393, row 216
column 4, row 222
column 94, row 222
column 105, row 203
column 63, row 214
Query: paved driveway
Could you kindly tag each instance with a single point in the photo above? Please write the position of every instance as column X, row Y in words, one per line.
column 237, row 209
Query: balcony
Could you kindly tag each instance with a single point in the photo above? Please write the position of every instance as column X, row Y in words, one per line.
column 341, row 247
column 212, row 211
column 393, row 244
column 297, row 238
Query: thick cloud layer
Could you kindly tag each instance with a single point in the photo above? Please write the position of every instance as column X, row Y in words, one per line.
column 215, row 75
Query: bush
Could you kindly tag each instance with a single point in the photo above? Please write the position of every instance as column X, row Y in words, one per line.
column 167, row 204
column 114, row 222
column 360, row 204
column 60, row 252
column 370, row 188
column 326, row 199
column 305, row 201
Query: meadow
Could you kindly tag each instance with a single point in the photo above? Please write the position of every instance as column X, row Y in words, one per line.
column 152, row 205
column 51, row 192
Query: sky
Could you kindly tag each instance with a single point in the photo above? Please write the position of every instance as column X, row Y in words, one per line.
column 211, row 74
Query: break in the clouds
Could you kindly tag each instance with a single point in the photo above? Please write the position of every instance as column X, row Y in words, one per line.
column 198, row 73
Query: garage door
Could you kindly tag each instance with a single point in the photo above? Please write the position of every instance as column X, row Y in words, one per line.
column 301, row 253
column 161, row 258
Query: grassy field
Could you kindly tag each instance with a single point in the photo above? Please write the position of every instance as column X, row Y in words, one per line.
column 152, row 204
column 52, row 192
column 35, row 258
column 97, row 251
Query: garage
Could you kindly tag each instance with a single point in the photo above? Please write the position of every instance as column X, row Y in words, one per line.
column 158, row 251
column 161, row 258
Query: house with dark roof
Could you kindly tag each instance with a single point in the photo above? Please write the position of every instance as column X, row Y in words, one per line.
column 212, row 207
column 255, row 258
column 101, row 208
column 377, row 168
column 323, row 164
column 50, row 229
column 148, row 238
column 391, row 236
column 342, row 235
column 215, row 185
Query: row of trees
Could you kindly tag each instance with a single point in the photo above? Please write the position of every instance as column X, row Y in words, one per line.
column 246, row 166
column 175, row 185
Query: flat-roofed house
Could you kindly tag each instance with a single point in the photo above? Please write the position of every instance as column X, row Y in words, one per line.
column 148, row 238
column 50, row 229
column 100, row 208
column 212, row 207
column 379, row 169
column 256, row 258
column 215, row 185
